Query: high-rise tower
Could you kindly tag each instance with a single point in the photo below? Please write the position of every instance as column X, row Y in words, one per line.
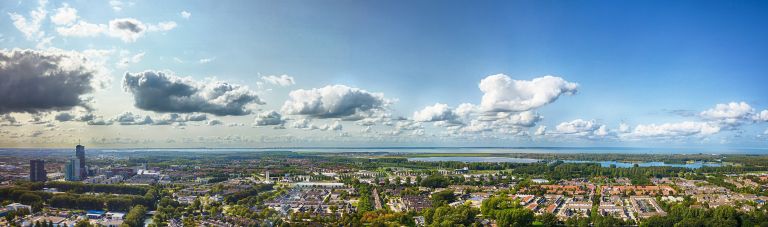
column 80, row 153
column 72, row 170
column 37, row 170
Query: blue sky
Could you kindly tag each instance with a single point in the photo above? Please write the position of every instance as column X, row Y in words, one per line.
column 638, row 65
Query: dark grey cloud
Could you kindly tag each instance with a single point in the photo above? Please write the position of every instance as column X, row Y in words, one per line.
column 35, row 81
column 64, row 117
column 161, row 92
column 333, row 101
column 129, row 25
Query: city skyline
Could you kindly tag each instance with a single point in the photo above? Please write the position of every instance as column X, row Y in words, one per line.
column 123, row 74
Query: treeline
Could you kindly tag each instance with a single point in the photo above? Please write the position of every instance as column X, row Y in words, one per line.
column 558, row 171
column 77, row 201
column 79, row 187
column 235, row 197
column 682, row 215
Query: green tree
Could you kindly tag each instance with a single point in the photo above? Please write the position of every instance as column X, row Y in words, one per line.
column 547, row 219
column 444, row 197
column 518, row 217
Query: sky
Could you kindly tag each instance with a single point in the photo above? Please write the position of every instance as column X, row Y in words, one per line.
column 383, row 73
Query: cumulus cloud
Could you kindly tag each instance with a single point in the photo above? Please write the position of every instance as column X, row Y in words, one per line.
column 465, row 110
column 170, row 118
column 64, row 15
column 524, row 119
column 282, row 80
column 39, row 81
column 588, row 129
column 763, row 116
column 437, row 112
column 269, row 118
column 99, row 121
column 206, row 60
column 302, row 124
column 673, row 130
column 503, row 94
column 161, row 92
column 128, row 118
column 731, row 113
column 335, row 126
column 30, row 27
column 577, row 126
column 184, row 14
column 332, row 101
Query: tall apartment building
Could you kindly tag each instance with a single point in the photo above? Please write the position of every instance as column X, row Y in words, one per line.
column 37, row 170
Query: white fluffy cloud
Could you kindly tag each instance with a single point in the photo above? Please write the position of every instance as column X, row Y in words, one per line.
column 282, row 80
column 332, row 101
column 763, row 116
column 161, row 92
column 64, row 15
column 269, row 118
column 302, row 124
column 465, row 110
column 729, row 113
column 335, row 126
column 524, row 119
column 672, row 130
column 184, row 14
column 577, row 126
column 437, row 112
column 503, row 94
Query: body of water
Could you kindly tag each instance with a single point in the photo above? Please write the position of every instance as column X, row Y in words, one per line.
column 694, row 165
column 474, row 159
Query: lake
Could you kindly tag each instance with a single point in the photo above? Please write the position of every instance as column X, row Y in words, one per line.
column 694, row 165
column 474, row 159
